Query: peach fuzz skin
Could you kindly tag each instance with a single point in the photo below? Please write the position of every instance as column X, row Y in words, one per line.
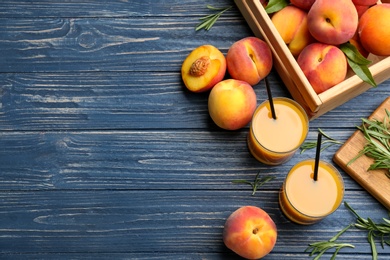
column 303, row 4
column 291, row 23
column 332, row 21
column 204, row 67
column 361, row 9
column 364, row 2
column 250, row 232
column 249, row 59
column 231, row 104
column 324, row 65
column 374, row 30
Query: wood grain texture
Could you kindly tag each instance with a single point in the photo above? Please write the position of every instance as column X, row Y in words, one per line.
column 151, row 160
column 105, row 155
column 109, row 9
column 174, row 221
column 80, row 44
column 137, row 100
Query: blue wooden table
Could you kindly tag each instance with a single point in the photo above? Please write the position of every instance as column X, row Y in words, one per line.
column 105, row 154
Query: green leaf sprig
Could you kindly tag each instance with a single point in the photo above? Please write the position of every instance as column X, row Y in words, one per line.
column 377, row 134
column 358, row 63
column 275, row 5
column 324, row 144
column 208, row 21
column 375, row 230
column 319, row 248
column 256, row 183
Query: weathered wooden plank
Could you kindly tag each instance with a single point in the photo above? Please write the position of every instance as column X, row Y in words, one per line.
column 153, row 160
column 145, row 222
column 141, row 100
column 173, row 255
column 103, row 101
column 104, row 154
column 112, row 8
column 107, row 44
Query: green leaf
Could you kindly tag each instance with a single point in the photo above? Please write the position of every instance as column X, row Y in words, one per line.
column 362, row 72
column 358, row 63
column 352, row 53
column 275, row 5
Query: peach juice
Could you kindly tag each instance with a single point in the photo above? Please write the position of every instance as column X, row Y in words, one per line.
column 306, row 201
column 274, row 141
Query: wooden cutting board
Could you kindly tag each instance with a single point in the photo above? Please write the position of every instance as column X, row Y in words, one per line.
column 375, row 182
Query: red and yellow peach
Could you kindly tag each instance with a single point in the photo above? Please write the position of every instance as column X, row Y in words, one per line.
column 249, row 59
column 332, row 21
column 291, row 23
column 374, row 30
column 324, row 65
column 231, row 104
column 250, row 232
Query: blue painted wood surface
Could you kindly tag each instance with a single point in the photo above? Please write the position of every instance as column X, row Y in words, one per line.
column 105, row 154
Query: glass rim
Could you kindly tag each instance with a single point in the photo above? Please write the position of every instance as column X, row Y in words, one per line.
column 303, row 113
column 338, row 174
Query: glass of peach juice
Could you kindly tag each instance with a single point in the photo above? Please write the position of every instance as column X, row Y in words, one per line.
column 274, row 141
column 306, row 201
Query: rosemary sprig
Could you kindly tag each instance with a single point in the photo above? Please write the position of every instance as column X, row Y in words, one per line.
column 256, row 183
column 324, row 144
column 208, row 21
column 321, row 247
column 377, row 134
column 375, row 230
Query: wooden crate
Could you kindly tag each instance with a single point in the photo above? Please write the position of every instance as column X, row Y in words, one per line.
column 293, row 77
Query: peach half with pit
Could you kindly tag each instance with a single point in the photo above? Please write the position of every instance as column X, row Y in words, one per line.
column 324, row 65
column 291, row 23
column 204, row 67
column 249, row 59
column 374, row 30
column 332, row 21
column 231, row 104
column 250, row 232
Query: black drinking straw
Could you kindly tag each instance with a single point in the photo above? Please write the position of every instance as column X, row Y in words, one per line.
column 271, row 102
column 317, row 159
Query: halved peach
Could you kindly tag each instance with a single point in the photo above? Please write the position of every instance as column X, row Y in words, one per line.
column 204, row 67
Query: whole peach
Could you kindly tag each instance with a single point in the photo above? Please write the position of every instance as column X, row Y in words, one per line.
column 249, row 59
column 204, row 67
column 303, row 4
column 374, row 30
column 324, row 65
column 250, row 232
column 332, row 21
column 291, row 23
column 231, row 104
